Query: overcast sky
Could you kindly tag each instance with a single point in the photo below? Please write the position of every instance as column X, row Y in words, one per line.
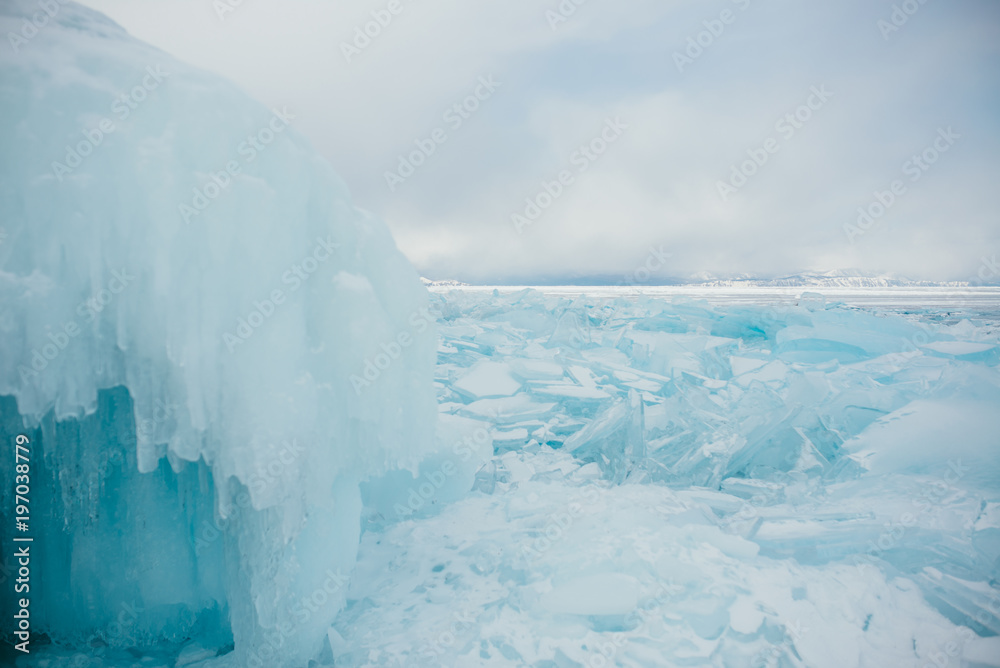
column 676, row 117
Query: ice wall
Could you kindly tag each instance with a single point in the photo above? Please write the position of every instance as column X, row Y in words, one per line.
column 208, row 343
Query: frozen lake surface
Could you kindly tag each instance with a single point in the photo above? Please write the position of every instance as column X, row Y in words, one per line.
column 966, row 299
column 700, row 477
column 686, row 477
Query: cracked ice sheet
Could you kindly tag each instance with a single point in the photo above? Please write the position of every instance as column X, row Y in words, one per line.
column 789, row 511
column 490, row 581
column 809, row 564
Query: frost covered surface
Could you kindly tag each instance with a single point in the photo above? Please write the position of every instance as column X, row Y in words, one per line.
column 794, row 483
column 182, row 311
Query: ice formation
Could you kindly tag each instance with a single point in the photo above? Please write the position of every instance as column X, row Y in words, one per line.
column 187, row 292
column 789, row 483
column 228, row 377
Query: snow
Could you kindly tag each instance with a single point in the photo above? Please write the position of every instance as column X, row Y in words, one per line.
column 919, row 436
column 487, row 379
column 959, row 348
column 598, row 594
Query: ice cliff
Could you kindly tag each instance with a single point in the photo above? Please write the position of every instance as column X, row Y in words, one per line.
column 187, row 293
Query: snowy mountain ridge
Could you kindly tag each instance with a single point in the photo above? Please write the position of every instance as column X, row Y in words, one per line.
column 831, row 279
column 827, row 280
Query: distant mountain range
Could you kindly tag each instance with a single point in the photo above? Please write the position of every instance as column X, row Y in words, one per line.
column 442, row 284
column 830, row 279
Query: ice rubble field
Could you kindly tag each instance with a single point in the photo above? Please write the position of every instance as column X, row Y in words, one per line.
column 675, row 483
column 671, row 482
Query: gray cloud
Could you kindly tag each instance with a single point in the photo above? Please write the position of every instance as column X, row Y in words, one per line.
column 657, row 184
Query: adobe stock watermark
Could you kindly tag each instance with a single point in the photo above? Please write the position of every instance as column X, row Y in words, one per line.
column 162, row 413
column 786, row 126
column 392, row 350
column 639, row 620
column 562, row 13
column 224, row 7
column 424, row 491
column 366, row 33
column 249, row 149
column 117, row 457
column 986, row 275
column 38, row 21
column 930, row 498
column 714, row 28
column 295, row 277
column 582, row 158
column 123, row 631
column 942, row 657
column 454, row 117
column 899, row 17
column 297, row 614
column 914, row 168
column 463, row 621
column 576, row 330
column 773, row 656
column 644, row 271
column 122, row 108
column 61, row 337
column 988, row 270
column 749, row 510
column 266, row 475
column 557, row 525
